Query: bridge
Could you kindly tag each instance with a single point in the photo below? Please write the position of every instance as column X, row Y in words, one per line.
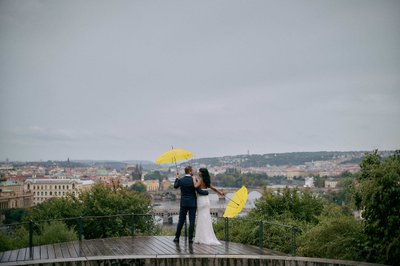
column 175, row 194
column 167, row 214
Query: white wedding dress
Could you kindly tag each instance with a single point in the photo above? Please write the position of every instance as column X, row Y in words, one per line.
column 204, row 229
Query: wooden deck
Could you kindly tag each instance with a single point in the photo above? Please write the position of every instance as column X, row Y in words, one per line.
column 125, row 247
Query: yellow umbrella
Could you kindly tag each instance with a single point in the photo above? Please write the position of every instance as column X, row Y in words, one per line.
column 173, row 156
column 236, row 203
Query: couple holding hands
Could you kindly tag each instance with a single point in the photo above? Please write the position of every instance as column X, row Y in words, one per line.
column 194, row 198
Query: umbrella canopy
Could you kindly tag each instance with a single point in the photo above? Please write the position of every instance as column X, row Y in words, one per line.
column 236, row 203
column 173, row 156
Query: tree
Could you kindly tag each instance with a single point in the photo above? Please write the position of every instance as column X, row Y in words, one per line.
column 288, row 203
column 139, row 187
column 99, row 201
column 156, row 175
column 344, row 196
column 378, row 198
column 319, row 181
column 14, row 215
column 338, row 237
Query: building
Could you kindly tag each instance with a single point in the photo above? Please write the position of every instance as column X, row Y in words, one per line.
column 152, row 185
column 331, row 183
column 44, row 189
column 309, row 182
column 12, row 196
column 165, row 184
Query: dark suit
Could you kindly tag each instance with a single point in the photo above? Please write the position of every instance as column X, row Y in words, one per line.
column 188, row 203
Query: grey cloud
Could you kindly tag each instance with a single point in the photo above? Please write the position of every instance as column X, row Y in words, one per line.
column 127, row 79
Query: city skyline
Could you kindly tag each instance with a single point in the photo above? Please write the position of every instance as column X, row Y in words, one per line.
column 126, row 80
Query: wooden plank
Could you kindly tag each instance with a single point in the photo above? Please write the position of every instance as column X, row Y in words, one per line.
column 28, row 254
column 92, row 249
column 135, row 246
column 219, row 249
column 155, row 241
column 115, row 250
column 158, row 248
column 128, row 246
column 138, row 246
column 36, row 253
column 72, row 251
column 204, row 249
column 243, row 249
column 51, row 252
column 121, row 247
column 85, row 250
column 57, row 251
column 14, row 255
column 21, row 254
column 101, row 248
column 6, row 256
column 43, row 252
column 246, row 249
column 175, row 248
column 64, row 250
column 168, row 244
column 78, row 248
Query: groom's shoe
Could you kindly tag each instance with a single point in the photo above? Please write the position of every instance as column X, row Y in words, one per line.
column 176, row 240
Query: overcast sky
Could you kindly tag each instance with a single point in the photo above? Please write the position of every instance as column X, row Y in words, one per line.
column 124, row 80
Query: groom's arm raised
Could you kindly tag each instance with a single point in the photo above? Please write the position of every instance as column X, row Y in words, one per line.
column 177, row 182
column 195, row 182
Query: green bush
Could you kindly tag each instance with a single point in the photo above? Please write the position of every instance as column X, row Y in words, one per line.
column 54, row 232
column 13, row 238
column 100, row 200
column 334, row 237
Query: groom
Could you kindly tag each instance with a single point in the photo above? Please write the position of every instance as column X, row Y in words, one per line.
column 188, row 202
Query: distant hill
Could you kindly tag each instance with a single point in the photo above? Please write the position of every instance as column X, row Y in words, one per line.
column 244, row 160
column 118, row 165
column 277, row 159
column 138, row 162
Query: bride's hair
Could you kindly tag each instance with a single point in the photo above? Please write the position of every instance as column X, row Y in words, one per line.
column 206, row 176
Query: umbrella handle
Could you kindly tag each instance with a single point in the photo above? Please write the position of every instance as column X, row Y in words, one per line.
column 172, row 146
column 231, row 200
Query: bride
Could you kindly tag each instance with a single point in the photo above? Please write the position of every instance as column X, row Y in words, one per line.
column 204, row 229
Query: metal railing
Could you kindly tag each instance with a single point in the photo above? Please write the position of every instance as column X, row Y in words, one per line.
column 261, row 231
column 79, row 223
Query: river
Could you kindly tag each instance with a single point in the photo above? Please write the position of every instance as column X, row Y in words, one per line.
column 214, row 201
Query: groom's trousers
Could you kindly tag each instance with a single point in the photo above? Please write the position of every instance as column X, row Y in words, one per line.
column 182, row 217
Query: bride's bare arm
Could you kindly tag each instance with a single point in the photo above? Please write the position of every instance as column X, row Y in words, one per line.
column 217, row 191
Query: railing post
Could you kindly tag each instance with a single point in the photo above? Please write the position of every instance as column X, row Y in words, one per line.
column 294, row 241
column 133, row 225
column 261, row 234
column 30, row 239
column 80, row 225
column 226, row 229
